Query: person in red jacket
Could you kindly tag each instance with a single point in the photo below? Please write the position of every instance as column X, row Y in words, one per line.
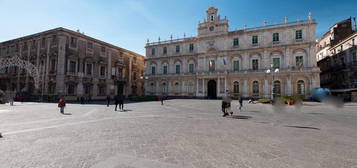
column 62, row 105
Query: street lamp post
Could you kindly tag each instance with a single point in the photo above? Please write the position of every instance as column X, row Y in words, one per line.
column 144, row 78
column 272, row 70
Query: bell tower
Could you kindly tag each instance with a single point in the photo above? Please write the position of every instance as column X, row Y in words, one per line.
column 213, row 24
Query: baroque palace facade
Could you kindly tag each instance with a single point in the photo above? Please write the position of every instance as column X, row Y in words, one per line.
column 272, row 60
column 71, row 64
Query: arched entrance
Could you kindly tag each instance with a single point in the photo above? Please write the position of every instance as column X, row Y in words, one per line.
column 212, row 89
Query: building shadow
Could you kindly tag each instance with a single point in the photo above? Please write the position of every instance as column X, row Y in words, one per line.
column 241, row 117
column 302, row 127
column 67, row 113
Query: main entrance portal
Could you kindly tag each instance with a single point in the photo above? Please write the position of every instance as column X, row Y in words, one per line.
column 212, row 89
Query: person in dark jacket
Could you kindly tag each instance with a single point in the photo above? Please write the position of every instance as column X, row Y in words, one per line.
column 121, row 102
column 62, row 105
column 108, row 100
column 240, row 103
column 119, row 99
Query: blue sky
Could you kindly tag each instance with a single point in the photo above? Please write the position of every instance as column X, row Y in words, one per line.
column 128, row 23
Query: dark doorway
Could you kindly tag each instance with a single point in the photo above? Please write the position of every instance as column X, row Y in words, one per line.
column 212, row 89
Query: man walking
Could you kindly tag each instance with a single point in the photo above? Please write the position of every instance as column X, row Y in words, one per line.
column 62, row 105
column 108, row 100
column 121, row 102
column 240, row 103
column 116, row 102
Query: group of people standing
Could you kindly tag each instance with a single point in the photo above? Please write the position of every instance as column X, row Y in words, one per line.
column 118, row 100
column 226, row 105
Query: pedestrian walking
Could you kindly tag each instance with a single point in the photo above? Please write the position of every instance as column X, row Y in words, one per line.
column 162, row 98
column 121, row 102
column 62, row 105
column 108, row 100
column 82, row 100
column 116, row 102
column 226, row 105
column 240, row 103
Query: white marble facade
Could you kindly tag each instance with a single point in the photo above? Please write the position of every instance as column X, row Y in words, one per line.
column 219, row 60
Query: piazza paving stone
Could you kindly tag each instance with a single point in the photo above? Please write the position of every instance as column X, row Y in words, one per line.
column 182, row 133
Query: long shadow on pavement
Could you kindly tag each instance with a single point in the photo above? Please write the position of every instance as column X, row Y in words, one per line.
column 302, row 127
column 241, row 117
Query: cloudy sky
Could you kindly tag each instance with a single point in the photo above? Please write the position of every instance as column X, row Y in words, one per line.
column 128, row 23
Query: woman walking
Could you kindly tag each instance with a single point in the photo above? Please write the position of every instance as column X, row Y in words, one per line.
column 62, row 105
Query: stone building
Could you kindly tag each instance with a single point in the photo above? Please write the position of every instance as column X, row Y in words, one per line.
column 72, row 64
column 338, row 60
column 217, row 60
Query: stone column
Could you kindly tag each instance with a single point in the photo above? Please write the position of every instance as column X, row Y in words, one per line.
column 18, row 70
column 245, row 88
column 196, row 87
column 47, row 64
column 61, row 66
column 266, row 88
column 288, row 59
column 288, row 90
column 109, row 72
column 203, row 87
column 169, row 88
column 225, row 84
column 130, row 75
column 157, row 87
column 29, row 44
column 218, row 86
column 183, row 89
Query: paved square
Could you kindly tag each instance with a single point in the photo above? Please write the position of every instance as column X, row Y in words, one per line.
column 180, row 134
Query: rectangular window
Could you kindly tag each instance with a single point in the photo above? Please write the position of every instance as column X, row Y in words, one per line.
column 178, row 69
column 102, row 71
column 299, row 61
column 153, row 51
column 89, row 69
column 90, row 45
column 298, row 34
column 191, row 68
column 73, row 42
column 177, row 49
column 212, row 66
column 53, row 65
column 275, row 36
column 153, row 70
column 254, row 39
column 354, row 57
column 255, row 64
column 191, row 48
column 102, row 49
column 164, row 51
column 165, row 69
column 43, row 42
column 235, row 42
column 276, row 63
column 236, row 65
column 72, row 66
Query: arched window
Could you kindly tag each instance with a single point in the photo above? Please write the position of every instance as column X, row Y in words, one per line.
column 177, row 87
column 276, row 89
column 301, row 87
column 190, row 87
column 255, row 89
column 236, row 87
column 152, row 87
column 164, row 90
